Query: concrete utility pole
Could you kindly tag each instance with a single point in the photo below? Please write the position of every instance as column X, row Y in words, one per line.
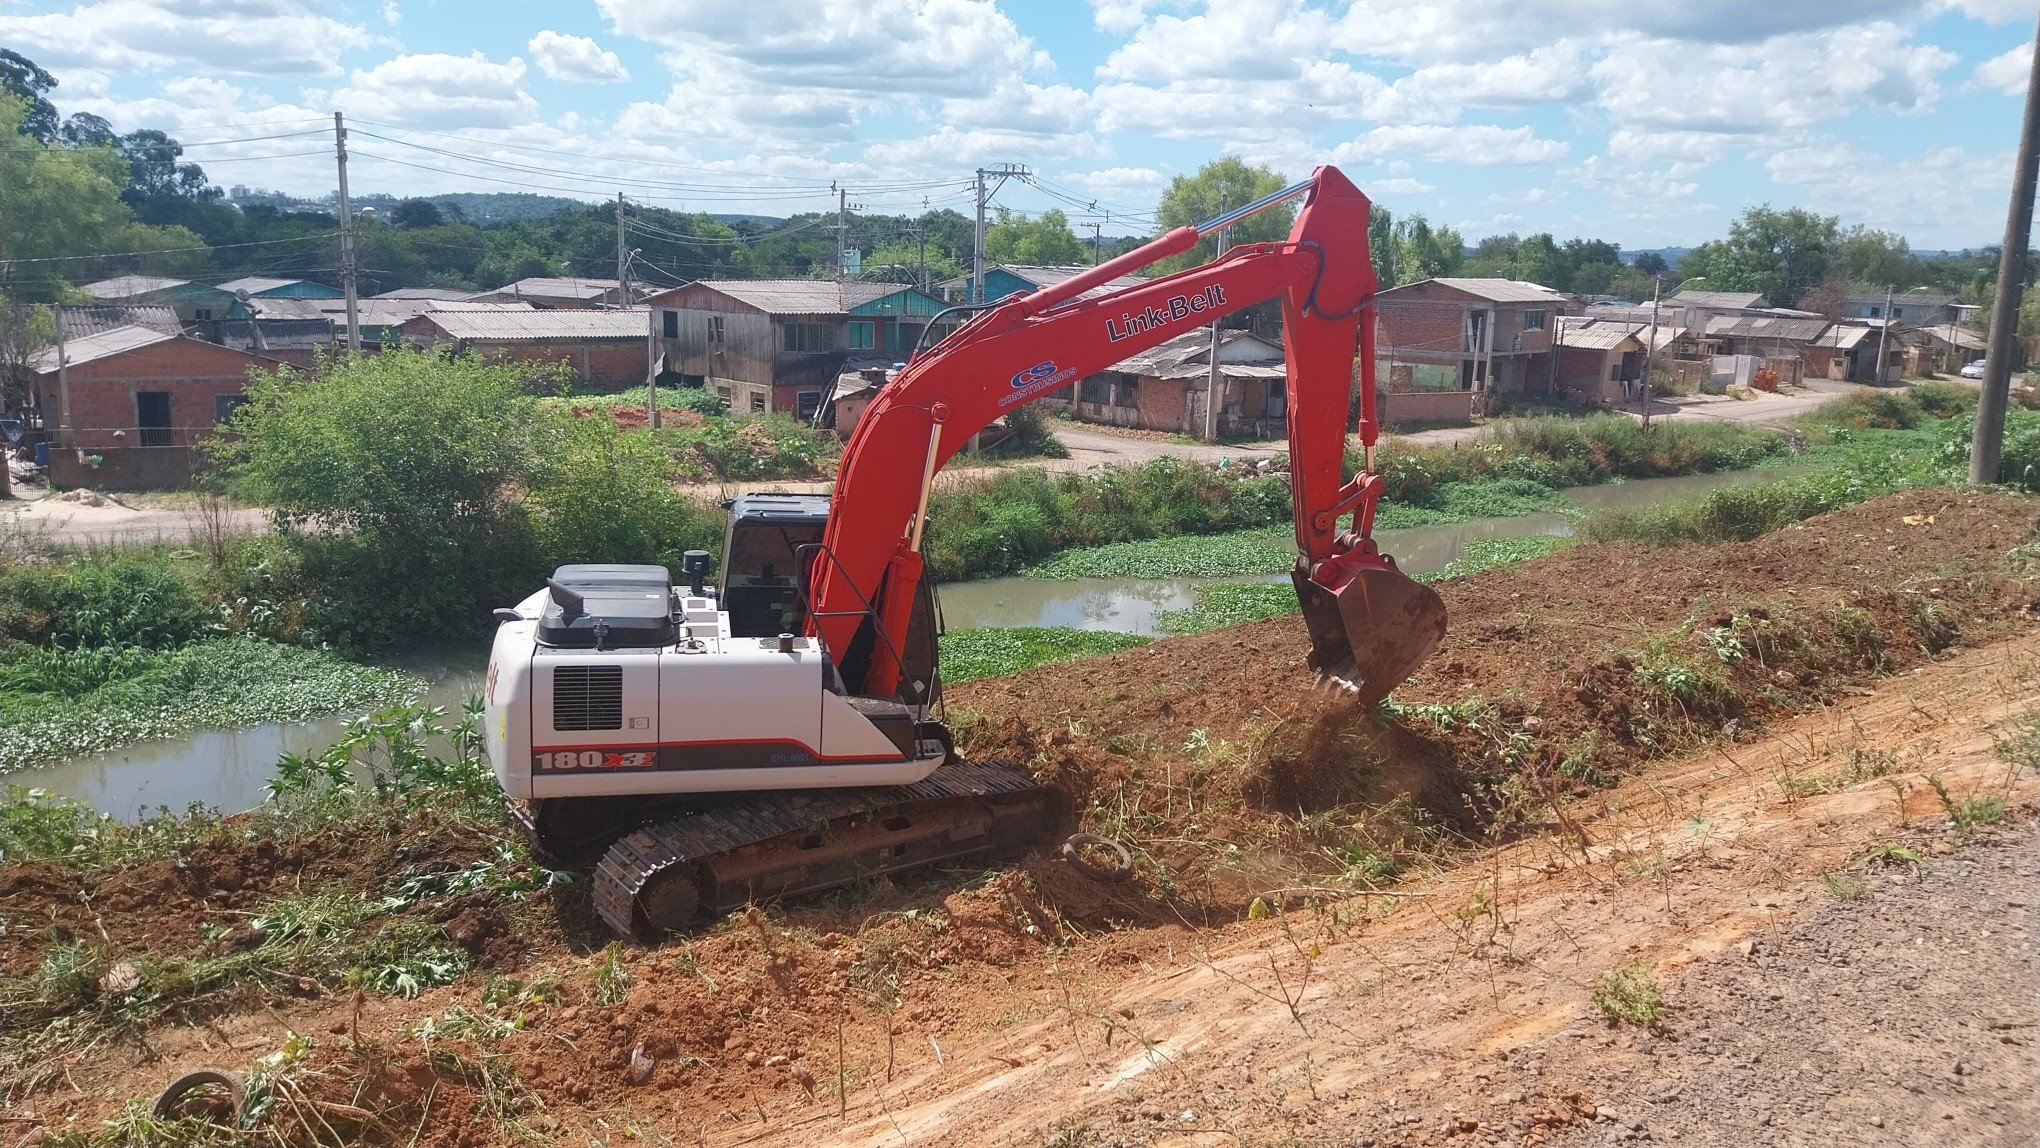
column 842, row 227
column 1097, row 231
column 622, row 258
column 1214, row 386
column 1986, row 449
column 1883, row 334
column 346, row 236
column 977, row 247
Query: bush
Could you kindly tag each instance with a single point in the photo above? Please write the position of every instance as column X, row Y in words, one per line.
column 700, row 400
column 771, row 445
column 99, row 601
column 605, row 495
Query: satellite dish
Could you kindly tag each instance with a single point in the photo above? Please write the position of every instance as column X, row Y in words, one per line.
column 241, row 294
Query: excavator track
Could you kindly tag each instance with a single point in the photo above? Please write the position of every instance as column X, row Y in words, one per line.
column 666, row 876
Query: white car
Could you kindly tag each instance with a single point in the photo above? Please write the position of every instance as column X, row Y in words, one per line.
column 1973, row 369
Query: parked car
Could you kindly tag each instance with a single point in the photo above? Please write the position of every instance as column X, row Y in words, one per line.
column 1973, row 369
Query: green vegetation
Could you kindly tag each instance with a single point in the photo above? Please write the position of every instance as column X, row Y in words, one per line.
column 1182, row 556
column 749, row 448
column 1629, row 994
column 991, row 653
column 64, row 702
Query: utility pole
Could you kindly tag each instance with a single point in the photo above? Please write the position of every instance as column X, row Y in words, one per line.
column 842, row 227
column 1214, row 385
column 1097, row 230
column 1656, row 284
column 622, row 258
column 1986, row 449
column 346, row 236
column 977, row 252
column 1883, row 334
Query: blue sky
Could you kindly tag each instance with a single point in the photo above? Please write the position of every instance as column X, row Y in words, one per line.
column 1645, row 122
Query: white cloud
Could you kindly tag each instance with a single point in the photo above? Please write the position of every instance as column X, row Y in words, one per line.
column 1482, row 145
column 1135, row 187
column 2007, row 73
column 1477, row 30
column 1024, row 108
column 575, row 59
column 283, row 38
column 1946, row 197
column 1437, row 93
column 1398, row 185
column 440, row 91
column 390, row 14
column 1994, row 11
column 1492, row 225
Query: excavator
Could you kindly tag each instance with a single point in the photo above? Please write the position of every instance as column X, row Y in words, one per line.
column 705, row 747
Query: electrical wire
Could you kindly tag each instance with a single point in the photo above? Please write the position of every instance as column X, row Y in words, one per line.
column 161, row 250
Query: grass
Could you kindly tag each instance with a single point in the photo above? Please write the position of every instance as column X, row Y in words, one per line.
column 1629, row 994
column 62, row 702
column 991, row 653
column 1234, row 604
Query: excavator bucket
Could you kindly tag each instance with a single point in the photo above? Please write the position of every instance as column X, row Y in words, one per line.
column 1371, row 633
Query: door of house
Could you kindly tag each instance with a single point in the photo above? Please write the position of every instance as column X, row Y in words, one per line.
column 152, row 415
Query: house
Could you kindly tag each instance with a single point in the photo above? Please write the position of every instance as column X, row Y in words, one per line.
column 294, row 341
column 261, row 287
column 130, row 404
column 444, row 294
column 1843, row 351
column 1165, row 388
column 1915, row 309
column 1474, row 337
column 1783, row 344
column 572, row 294
column 853, row 393
column 379, row 318
column 1596, row 355
column 192, row 301
column 78, row 322
column 779, row 344
column 1006, row 279
column 606, row 349
column 1692, row 310
column 1950, row 345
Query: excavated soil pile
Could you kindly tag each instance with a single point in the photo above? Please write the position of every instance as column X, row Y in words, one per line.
column 1562, row 672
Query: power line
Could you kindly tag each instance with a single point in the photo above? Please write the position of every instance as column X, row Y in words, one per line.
column 160, row 250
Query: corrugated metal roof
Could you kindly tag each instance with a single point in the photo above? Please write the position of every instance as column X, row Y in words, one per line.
column 1229, row 370
column 1765, row 327
column 590, row 289
column 1721, row 300
column 1957, row 335
column 513, row 326
column 277, row 334
column 104, row 344
column 372, row 312
column 1597, row 336
column 78, row 322
column 802, row 296
column 257, row 284
column 128, row 286
column 448, row 293
column 1842, row 336
column 1192, row 347
column 1046, row 275
column 1496, row 290
column 1900, row 301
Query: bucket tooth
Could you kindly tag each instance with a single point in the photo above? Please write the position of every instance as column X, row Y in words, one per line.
column 1369, row 636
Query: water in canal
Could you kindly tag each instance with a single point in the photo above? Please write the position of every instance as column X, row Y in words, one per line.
column 229, row 769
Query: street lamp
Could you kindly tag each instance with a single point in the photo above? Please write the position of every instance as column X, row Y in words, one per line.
column 1650, row 349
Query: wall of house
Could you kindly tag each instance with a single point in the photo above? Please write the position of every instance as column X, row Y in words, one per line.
column 1583, row 374
column 1409, row 408
column 102, row 392
column 611, row 364
column 137, row 468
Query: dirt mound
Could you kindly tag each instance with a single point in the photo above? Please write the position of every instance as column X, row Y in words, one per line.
column 639, row 417
column 1556, row 674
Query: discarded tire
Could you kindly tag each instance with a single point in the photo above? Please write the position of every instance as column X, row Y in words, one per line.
column 1073, row 852
column 167, row 1104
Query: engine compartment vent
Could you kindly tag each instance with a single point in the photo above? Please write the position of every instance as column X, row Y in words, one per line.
column 587, row 697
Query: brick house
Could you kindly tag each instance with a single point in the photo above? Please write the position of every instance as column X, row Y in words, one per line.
column 1480, row 337
column 605, row 349
column 1595, row 356
column 129, row 404
column 1164, row 388
column 780, row 344
column 1913, row 308
column 1691, row 310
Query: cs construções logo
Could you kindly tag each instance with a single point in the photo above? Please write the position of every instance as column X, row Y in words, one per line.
column 1034, row 374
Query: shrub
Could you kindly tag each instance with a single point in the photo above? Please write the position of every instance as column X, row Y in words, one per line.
column 771, row 445
column 99, row 601
column 605, row 495
column 1629, row 994
column 700, row 400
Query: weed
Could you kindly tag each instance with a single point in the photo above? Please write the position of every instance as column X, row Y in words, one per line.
column 1629, row 994
column 988, row 653
column 1861, row 765
column 612, row 980
column 1845, row 887
column 1889, row 856
column 1971, row 811
column 2018, row 743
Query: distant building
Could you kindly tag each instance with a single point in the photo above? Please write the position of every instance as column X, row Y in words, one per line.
column 1595, row 356
column 130, row 404
column 563, row 293
column 77, row 322
column 1948, row 346
column 605, row 349
column 257, row 286
column 193, row 302
column 379, row 318
column 780, row 344
column 1166, row 388
column 1915, row 309
column 445, row 294
column 1005, row 279
column 1470, row 337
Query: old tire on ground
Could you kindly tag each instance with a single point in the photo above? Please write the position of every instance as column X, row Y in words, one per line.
column 172, row 1098
column 1073, row 852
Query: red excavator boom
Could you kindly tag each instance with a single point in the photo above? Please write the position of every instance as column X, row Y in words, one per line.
column 1369, row 625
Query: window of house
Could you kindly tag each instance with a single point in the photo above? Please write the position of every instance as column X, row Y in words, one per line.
column 715, row 328
column 804, row 338
column 202, row 313
column 224, row 407
column 862, row 336
column 669, row 324
column 726, row 393
column 1898, row 312
column 807, row 403
column 1096, row 389
column 1276, row 405
column 757, row 403
column 1533, row 320
column 1126, row 394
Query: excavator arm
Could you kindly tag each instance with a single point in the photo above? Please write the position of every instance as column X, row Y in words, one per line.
column 1369, row 625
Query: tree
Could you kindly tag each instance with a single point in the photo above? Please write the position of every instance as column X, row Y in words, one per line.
column 1422, row 253
column 1219, row 186
column 1781, row 254
column 155, row 175
column 24, row 333
column 1381, row 244
column 83, row 129
column 1045, row 240
column 415, row 213
column 904, row 262
column 1828, row 298
column 22, row 79
column 1651, row 263
column 1874, row 258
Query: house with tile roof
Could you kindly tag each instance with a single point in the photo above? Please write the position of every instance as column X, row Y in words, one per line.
column 1471, row 338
